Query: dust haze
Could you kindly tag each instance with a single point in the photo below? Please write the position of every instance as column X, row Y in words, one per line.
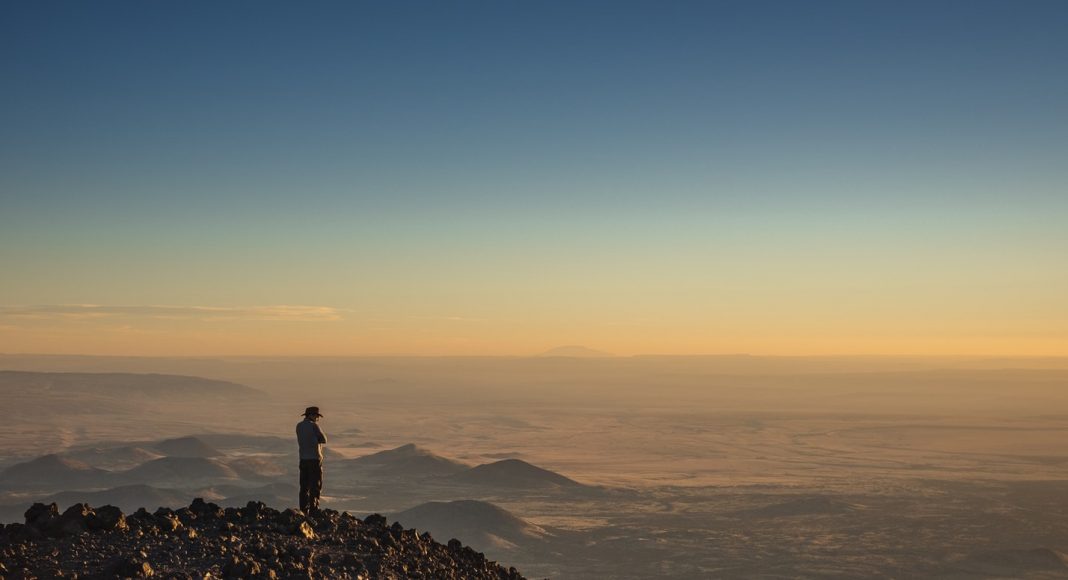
column 583, row 466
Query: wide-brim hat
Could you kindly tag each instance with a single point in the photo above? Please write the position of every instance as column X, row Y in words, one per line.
column 312, row 411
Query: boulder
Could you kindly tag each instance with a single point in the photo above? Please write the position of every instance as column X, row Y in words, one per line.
column 375, row 520
column 203, row 508
column 40, row 515
column 73, row 521
column 108, row 517
column 304, row 530
column 168, row 522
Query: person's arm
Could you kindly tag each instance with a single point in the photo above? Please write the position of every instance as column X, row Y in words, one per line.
column 319, row 432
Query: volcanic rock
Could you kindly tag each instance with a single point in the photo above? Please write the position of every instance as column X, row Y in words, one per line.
column 40, row 515
column 254, row 541
column 107, row 517
column 128, row 567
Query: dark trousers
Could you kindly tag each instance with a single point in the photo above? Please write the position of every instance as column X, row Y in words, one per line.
column 311, row 483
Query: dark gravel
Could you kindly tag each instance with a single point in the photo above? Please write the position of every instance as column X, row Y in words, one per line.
column 205, row 541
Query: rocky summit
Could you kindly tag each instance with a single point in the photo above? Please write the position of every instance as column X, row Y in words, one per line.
column 206, row 541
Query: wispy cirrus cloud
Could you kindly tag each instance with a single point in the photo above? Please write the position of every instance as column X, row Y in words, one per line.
column 206, row 313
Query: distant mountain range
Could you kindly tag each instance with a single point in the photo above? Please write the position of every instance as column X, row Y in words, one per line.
column 126, row 497
column 575, row 351
column 170, row 471
column 203, row 445
column 131, row 497
column 410, row 461
column 119, row 384
column 179, row 462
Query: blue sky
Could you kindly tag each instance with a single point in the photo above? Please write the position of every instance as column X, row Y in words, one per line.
column 239, row 141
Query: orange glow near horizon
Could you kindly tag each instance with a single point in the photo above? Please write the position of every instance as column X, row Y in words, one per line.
column 105, row 334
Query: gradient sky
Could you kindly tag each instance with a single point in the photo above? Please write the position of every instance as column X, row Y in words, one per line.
column 341, row 178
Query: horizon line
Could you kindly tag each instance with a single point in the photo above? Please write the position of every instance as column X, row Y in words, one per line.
column 540, row 355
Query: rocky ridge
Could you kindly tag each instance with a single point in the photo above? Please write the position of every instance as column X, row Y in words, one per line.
column 204, row 540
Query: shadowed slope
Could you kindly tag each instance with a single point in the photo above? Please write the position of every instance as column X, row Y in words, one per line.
column 477, row 522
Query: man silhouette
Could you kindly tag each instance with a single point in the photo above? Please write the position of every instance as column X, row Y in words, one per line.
column 310, row 439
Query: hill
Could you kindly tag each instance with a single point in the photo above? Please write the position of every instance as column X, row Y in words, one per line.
column 254, row 541
column 123, row 457
column 186, row 447
column 180, row 470
column 514, row 473
column 241, row 442
column 127, row 497
column 479, row 523
column 53, row 471
column 407, row 461
column 259, row 467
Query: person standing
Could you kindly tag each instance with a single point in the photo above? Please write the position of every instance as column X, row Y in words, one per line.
column 310, row 439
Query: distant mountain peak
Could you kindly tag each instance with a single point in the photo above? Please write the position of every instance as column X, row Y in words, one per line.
column 188, row 446
column 575, row 351
column 53, row 461
column 52, row 471
column 410, row 459
column 406, row 450
column 514, row 473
